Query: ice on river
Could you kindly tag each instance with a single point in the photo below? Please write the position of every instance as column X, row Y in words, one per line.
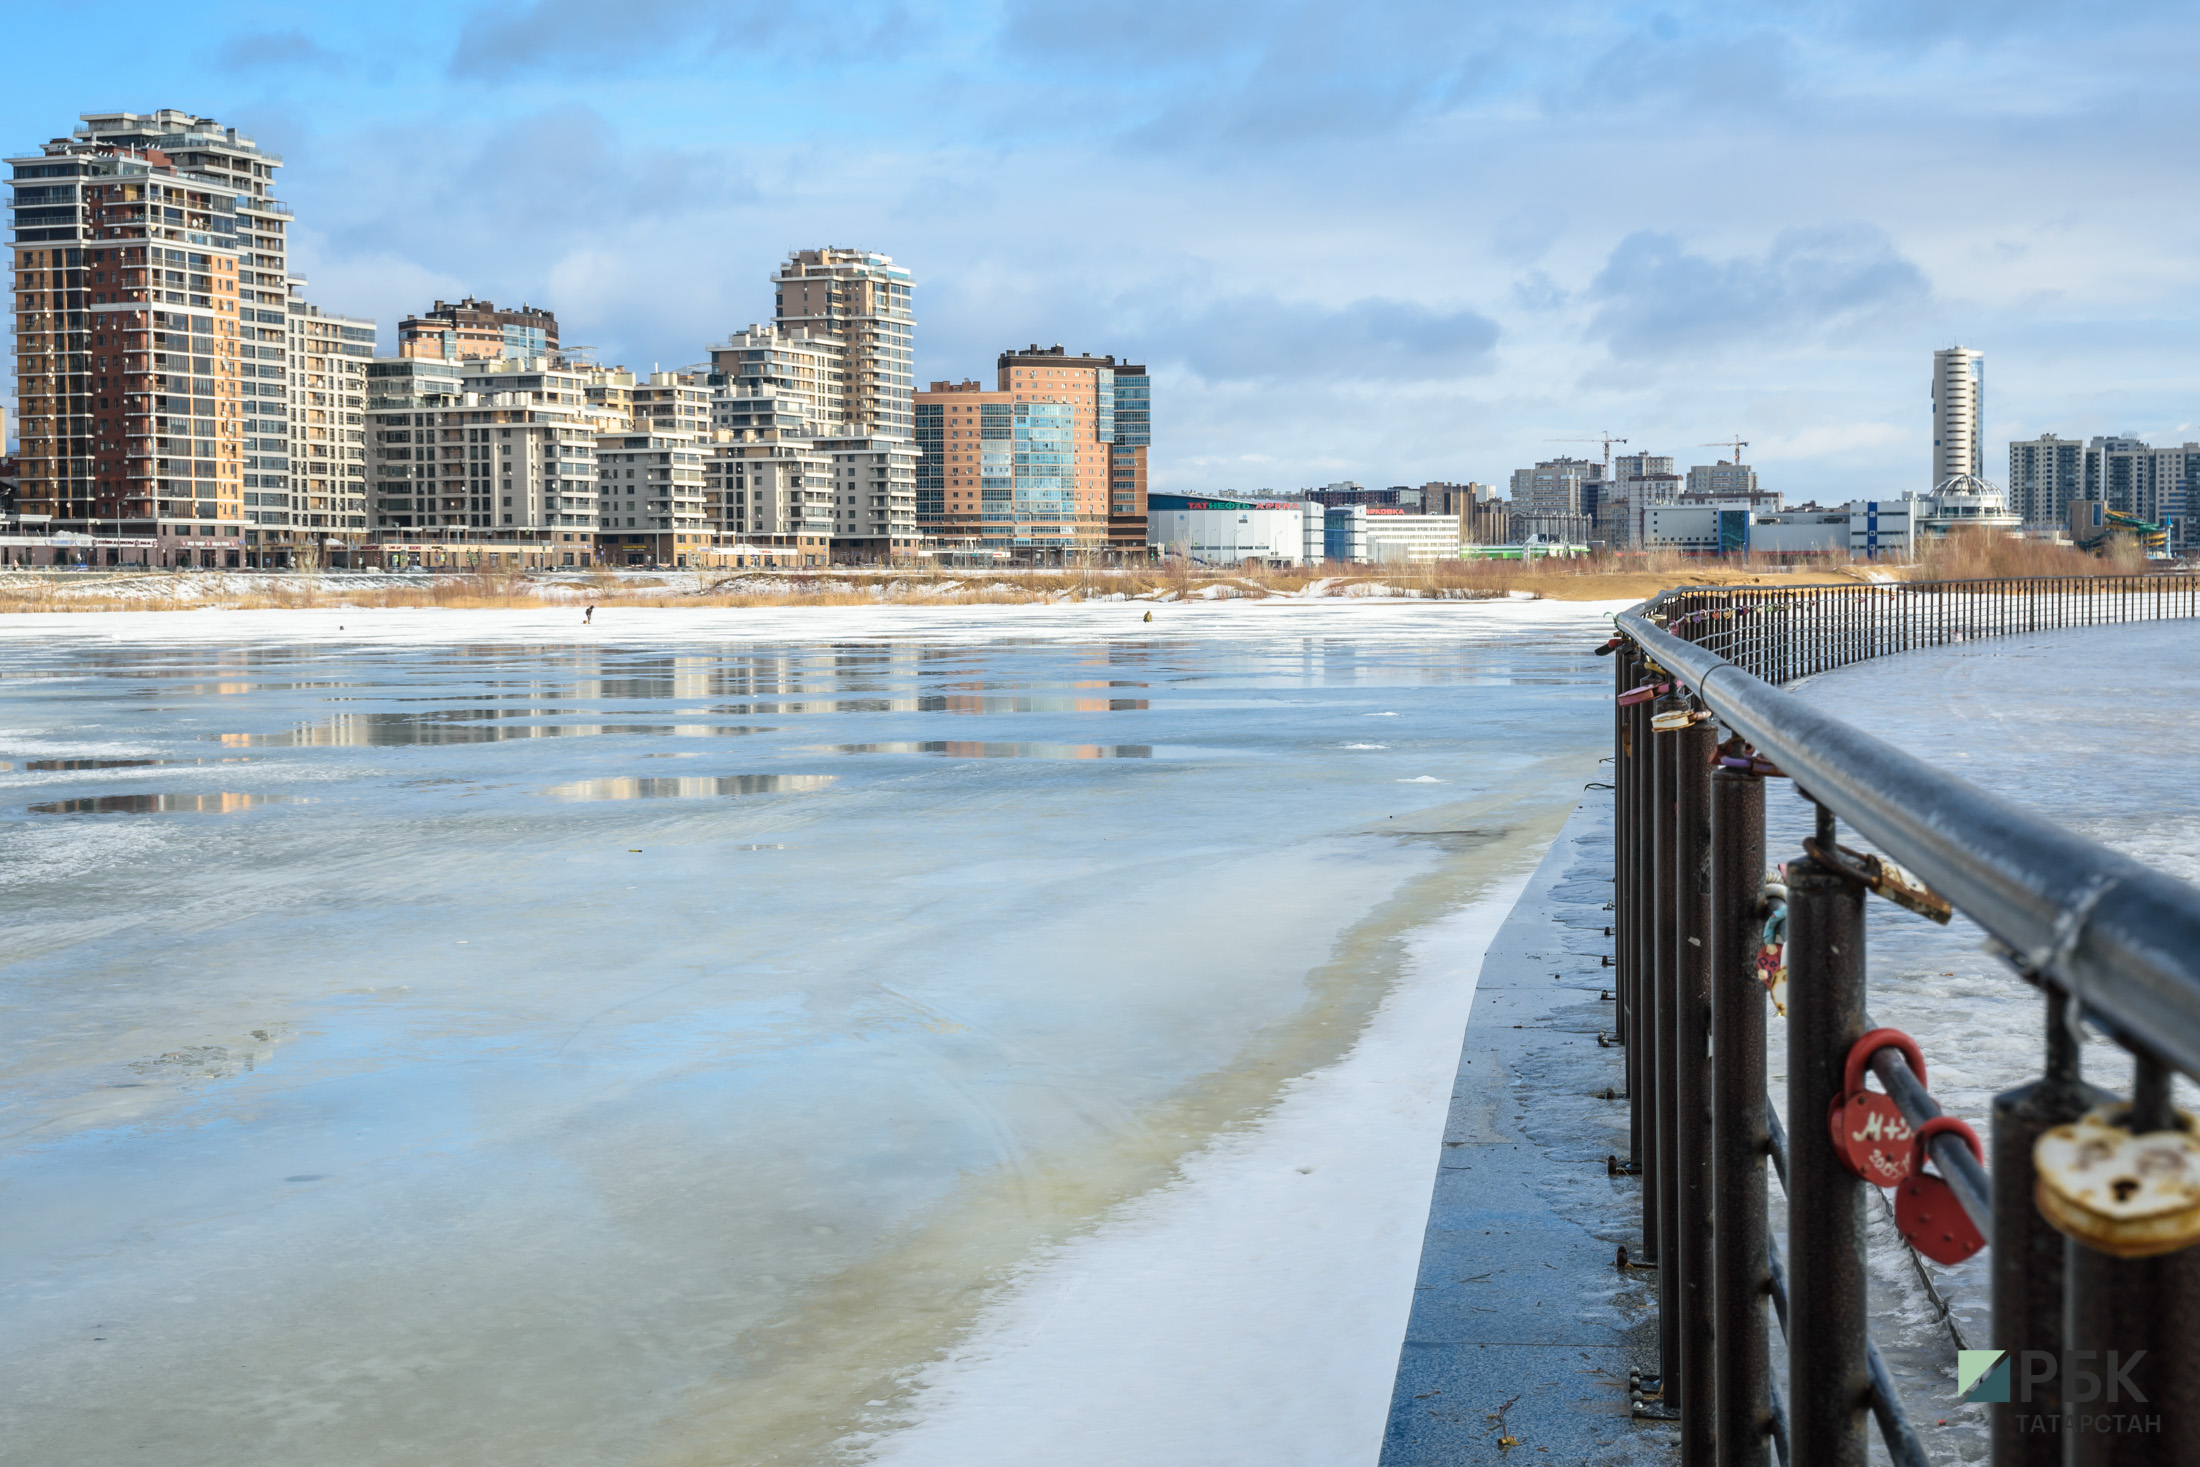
column 2093, row 727
column 718, row 1036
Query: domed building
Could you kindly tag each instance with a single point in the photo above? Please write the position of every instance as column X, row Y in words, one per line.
column 1965, row 502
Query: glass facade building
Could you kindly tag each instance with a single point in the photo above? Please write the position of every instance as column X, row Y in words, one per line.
column 1039, row 465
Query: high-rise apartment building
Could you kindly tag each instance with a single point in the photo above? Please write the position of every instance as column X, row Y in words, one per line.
column 1959, row 410
column 1441, row 496
column 651, row 484
column 468, row 330
column 1026, row 467
column 771, row 486
column 2045, row 473
column 770, row 493
column 874, row 494
column 966, row 466
column 1559, row 486
column 321, row 502
column 1639, row 481
column 667, row 403
column 149, row 254
column 864, row 302
column 787, row 381
column 2159, row 485
column 1075, row 465
column 1127, row 483
column 1640, row 466
column 1722, row 480
column 2177, row 494
column 495, row 451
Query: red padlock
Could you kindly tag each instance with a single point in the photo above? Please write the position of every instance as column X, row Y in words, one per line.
column 1926, row 1210
column 1870, row 1134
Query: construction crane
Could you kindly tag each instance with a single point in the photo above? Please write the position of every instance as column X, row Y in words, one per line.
column 1737, row 441
column 1604, row 438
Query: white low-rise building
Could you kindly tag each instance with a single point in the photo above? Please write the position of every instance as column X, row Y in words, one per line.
column 1697, row 529
column 1227, row 531
column 1401, row 536
column 1871, row 528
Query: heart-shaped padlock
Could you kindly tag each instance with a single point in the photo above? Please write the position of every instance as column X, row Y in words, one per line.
column 1871, row 1136
column 1926, row 1211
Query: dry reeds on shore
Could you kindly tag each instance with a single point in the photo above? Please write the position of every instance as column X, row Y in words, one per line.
column 1970, row 555
column 1594, row 577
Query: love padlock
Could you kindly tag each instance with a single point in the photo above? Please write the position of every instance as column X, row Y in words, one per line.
column 1772, row 969
column 2125, row 1193
column 1926, row 1211
column 1871, row 1136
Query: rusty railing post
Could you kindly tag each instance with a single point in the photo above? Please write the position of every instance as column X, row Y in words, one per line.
column 1741, row 1137
column 1691, row 1260
column 2027, row 1255
column 1828, row 1380
column 1661, row 1139
column 1643, row 1082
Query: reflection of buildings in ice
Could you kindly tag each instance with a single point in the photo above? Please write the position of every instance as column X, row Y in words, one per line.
column 689, row 789
column 982, row 705
column 966, row 749
column 394, row 730
column 489, row 726
column 221, row 804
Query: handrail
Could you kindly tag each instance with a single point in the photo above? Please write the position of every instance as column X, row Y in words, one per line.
column 2104, row 937
column 2120, row 937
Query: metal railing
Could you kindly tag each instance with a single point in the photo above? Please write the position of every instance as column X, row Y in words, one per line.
column 1698, row 728
column 1782, row 633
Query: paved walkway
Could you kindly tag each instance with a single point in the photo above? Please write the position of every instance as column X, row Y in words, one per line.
column 1522, row 1325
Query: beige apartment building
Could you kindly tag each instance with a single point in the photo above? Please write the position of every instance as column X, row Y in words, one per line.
column 473, row 330
column 481, row 456
column 768, row 500
column 874, row 498
column 650, row 485
column 668, row 403
column 789, row 376
column 147, row 247
column 863, row 302
column 323, row 505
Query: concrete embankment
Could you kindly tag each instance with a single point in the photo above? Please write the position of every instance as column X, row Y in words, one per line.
column 1523, row 1327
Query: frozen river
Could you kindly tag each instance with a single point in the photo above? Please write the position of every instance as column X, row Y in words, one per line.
column 472, row 1037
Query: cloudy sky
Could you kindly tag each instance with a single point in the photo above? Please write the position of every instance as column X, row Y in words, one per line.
column 1382, row 242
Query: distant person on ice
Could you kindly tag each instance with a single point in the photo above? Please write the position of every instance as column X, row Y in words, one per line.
column 588, row 616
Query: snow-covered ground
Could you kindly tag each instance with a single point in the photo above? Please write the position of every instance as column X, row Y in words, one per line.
column 335, row 588
column 1249, row 1312
column 1406, row 618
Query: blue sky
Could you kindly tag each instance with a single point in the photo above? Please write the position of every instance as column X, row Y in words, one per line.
column 1385, row 242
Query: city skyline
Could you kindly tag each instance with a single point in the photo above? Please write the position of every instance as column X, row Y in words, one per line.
column 1232, row 188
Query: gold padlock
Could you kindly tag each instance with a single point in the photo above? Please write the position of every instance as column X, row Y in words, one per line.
column 2126, row 1194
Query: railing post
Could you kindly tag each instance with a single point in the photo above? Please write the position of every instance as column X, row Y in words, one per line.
column 1664, row 980
column 2027, row 1255
column 2119, row 1307
column 1624, row 775
column 1740, row 1267
column 1827, row 1376
column 1692, row 752
column 1643, row 1120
